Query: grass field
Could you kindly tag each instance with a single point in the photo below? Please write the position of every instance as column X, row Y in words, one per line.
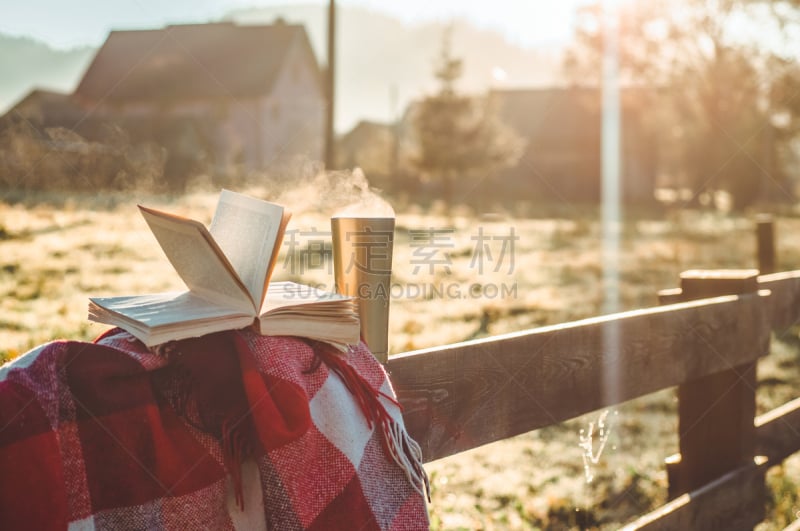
column 457, row 277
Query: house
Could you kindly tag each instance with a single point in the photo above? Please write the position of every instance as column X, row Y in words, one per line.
column 221, row 94
column 562, row 131
column 48, row 141
column 42, row 108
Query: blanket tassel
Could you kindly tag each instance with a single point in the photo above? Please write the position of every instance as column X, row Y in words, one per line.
column 404, row 451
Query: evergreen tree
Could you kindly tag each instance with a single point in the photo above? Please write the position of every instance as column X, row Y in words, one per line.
column 460, row 142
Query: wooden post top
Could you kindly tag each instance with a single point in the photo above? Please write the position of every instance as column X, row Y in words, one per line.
column 702, row 283
column 765, row 244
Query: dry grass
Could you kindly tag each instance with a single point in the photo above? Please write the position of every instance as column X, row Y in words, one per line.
column 58, row 253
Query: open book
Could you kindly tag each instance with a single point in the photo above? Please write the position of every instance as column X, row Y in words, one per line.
column 227, row 270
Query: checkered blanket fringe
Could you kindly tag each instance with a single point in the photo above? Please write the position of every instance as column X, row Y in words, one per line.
column 404, row 450
column 102, row 436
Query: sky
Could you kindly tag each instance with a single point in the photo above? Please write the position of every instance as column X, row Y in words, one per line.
column 67, row 24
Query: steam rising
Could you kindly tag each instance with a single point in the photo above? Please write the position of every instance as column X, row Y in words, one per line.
column 335, row 194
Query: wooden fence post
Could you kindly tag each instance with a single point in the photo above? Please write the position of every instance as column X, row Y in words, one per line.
column 716, row 412
column 765, row 243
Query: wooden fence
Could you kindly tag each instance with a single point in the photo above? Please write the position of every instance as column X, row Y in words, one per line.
column 706, row 340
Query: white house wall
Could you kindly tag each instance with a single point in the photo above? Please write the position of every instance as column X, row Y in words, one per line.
column 282, row 128
column 237, row 143
column 293, row 115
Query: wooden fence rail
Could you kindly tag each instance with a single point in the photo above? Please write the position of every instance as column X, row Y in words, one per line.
column 457, row 397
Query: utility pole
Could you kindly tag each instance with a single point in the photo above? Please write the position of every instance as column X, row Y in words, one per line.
column 394, row 156
column 330, row 79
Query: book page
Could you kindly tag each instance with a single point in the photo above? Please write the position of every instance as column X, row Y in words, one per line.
column 249, row 231
column 198, row 260
column 161, row 309
column 297, row 310
column 162, row 317
column 291, row 294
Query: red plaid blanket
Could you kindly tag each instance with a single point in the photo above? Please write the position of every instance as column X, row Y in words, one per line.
column 109, row 435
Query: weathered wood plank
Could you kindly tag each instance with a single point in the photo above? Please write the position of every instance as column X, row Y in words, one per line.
column 733, row 502
column 460, row 396
column 778, row 432
column 784, row 303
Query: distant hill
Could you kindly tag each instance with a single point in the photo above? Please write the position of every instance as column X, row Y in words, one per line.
column 376, row 53
column 26, row 63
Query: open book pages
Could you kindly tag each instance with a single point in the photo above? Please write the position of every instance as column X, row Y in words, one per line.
column 198, row 260
column 227, row 270
column 290, row 309
column 231, row 263
column 251, row 253
column 162, row 317
column 293, row 309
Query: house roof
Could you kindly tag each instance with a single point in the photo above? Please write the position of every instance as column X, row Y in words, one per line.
column 364, row 130
column 193, row 61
